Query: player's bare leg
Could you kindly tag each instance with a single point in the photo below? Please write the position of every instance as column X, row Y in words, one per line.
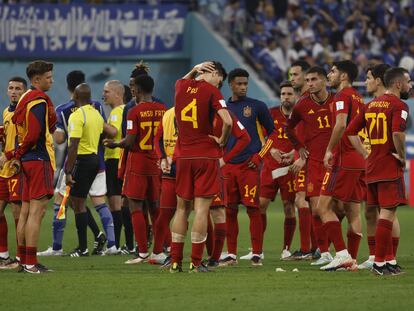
column 179, row 229
column 354, row 234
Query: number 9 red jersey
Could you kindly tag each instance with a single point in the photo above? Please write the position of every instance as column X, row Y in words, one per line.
column 196, row 103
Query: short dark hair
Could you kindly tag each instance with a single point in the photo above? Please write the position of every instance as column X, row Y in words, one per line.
column 393, row 74
column 19, row 79
column 348, row 67
column 238, row 72
column 302, row 64
column 38, row 67
column 145, row 83
column 378, row 71
column 285, row 84
column 220, row 69
column 73, row 79
column 127, row 94
column 317, row 69
column 141, row 68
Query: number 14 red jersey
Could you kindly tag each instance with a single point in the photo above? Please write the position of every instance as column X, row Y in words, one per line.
column 196, row 103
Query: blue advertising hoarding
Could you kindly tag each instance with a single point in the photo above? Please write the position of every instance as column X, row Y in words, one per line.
column 89, row 31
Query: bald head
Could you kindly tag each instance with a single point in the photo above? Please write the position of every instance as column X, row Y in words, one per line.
column 113, row 93
column 82, row 95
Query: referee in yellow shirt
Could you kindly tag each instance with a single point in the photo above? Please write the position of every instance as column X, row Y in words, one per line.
column 113, row 95
column 85, row 129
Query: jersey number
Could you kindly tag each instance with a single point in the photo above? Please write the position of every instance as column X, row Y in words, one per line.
column 189, row 113
column 320, row 120
column 376, row 121
column 282, row 134
column 150, row 128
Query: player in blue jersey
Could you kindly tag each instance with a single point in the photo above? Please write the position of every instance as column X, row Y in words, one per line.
column 98, row 189
column 243, row 170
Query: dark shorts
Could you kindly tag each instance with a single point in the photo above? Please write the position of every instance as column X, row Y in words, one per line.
column 113, row 183
column 84, row 173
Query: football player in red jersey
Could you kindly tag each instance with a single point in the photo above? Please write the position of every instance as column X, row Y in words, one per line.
column 197, row 100
column 344, row 177
column 286, row 183
column 314, row 110
column 385, row 117
column 142, row 174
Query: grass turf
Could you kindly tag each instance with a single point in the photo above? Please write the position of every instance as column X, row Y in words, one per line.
column 105, row 283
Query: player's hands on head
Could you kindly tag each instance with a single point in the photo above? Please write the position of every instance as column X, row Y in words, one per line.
column 327, row 159
column 297, row 166
column 204, row 67
column 402, row 160
column 303, row 153
column 69, row 180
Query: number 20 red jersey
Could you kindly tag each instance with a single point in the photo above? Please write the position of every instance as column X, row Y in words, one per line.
column 196, row 103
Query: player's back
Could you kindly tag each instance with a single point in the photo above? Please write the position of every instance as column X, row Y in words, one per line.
column 383, row 116
column 196, row 103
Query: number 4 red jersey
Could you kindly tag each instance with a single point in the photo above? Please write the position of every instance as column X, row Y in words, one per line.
column 382, row 116
column 142, row 121
column 196, row 103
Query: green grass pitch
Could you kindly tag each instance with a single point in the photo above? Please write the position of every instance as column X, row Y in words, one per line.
column 105, row 283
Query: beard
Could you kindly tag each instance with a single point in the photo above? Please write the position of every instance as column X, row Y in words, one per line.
column 405, row 95
column 287, row 105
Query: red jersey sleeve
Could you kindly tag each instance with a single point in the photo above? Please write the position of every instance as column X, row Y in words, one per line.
column 356, row 124
column 132, row 122
column 342, row 103
column 293, row 120
column 243, row 139
column 399, row 117
column 217, row 99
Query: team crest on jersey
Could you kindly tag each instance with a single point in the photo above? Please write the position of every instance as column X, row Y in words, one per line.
column 310, row 187
column 247, row 111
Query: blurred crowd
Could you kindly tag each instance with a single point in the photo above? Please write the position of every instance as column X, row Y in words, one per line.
column 276, row 33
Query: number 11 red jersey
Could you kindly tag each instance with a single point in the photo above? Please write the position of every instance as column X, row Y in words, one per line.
column 196, row 103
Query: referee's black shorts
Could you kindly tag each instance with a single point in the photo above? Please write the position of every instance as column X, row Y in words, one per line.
column 84, row 173
column 113, row 183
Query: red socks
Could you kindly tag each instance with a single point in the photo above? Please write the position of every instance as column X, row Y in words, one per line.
column 3, row 234
column 334, row 231
column 320, row 234
column 21, row 253
column 210, row 237
column 232, row 230
column 197, row 253
column 264, row 222
column 383, row 237
column 140, row 230
column 305, row 221
column 219, row 236
column 289, row 231
column 371, row 245
column 177, row 249
column 162, row 232
column 353, row 243
column 256, row 229
column 31, row 258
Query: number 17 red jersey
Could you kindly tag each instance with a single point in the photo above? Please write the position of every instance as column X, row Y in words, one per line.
column 196, row 103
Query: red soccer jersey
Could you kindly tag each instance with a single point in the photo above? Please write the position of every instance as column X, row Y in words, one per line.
column 317, row 125
column 382, row 116
column 142, row 121
column 238, row 131
column 350, row 102
column 196, row 103
column 280, row 138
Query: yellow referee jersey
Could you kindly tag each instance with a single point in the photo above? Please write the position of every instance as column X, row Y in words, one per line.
column 169, row 132
column 9, row 141
column 115, row 119
column 87, row 124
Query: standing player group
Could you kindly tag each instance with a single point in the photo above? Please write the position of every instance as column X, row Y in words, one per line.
column 321, row 149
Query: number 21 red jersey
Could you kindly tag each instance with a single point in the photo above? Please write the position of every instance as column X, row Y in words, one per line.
column 196, row 103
